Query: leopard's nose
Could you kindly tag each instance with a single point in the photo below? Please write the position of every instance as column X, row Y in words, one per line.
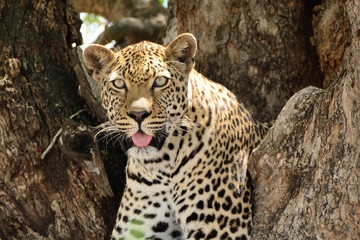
column 139, row 116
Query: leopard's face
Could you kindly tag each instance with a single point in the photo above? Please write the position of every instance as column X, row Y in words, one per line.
column 144, row 92
column 144, row 89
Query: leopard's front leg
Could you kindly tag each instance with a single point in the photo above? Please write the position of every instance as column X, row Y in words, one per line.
column 145, row 213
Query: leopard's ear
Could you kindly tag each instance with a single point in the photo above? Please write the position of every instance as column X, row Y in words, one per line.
column 97, row 56
column 183, row 49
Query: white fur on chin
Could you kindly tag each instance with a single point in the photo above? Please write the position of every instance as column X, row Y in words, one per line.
column 143, row 153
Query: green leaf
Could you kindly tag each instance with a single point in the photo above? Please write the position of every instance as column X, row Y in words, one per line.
column 137, row 222
column 137, row 233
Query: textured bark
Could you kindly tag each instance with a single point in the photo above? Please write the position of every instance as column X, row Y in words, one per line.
column 307, row 170
column 258, row 49
column 331, row 37
column 65, row 195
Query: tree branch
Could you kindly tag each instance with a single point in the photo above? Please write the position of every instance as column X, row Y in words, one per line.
column 134, row 30
column 114, row 10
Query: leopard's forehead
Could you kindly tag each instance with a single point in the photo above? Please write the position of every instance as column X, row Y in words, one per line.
column 144, row 47
column 140, row 62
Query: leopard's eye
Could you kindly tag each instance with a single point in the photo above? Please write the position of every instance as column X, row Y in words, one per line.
column 118, row 83
column 160, row 82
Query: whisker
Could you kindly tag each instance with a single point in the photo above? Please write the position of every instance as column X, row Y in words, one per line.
column 109, row 132
column 118, row 138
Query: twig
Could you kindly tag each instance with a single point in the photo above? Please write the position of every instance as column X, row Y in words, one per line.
column 77, row 113
column 55, row 138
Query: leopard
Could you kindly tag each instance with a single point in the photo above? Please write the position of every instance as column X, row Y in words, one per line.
column 188, row 140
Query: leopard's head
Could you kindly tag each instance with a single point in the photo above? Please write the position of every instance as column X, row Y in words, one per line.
column 144, row 89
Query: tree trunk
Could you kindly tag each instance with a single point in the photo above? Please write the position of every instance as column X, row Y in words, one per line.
column 259, row 50
column 64, row 195
column 306, row 171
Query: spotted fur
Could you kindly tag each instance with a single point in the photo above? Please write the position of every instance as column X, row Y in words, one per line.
column 191, row 182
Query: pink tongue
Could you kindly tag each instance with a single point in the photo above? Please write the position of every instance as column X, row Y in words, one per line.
column 141, row 139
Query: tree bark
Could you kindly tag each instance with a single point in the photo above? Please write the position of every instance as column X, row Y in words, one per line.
column 306, row 171
column 258, row 49
column 66, row 194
